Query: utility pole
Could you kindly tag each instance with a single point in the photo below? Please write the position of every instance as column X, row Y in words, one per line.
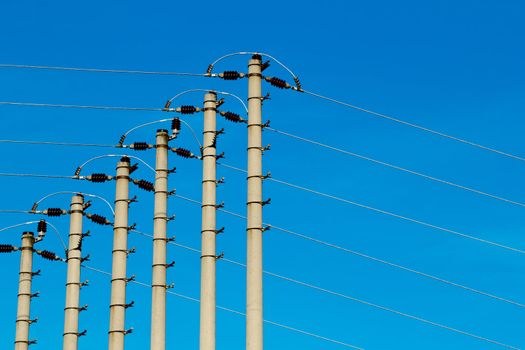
column 73, row 284
column 209, row 230
column 160, row 218
column 23, row 318
column 254, row 288
column 119, row 280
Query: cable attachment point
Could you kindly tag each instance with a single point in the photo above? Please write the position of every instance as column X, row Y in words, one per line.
column 172, row 171
column 133, row 168
column 278, row 83
column 220, row 256
column 220, row 156
column 132, row 227
column 231, row 75
column 187, row 109
column 170, row 239
column 267, row 176
column 171, row 218
column 54, row 212
column 34, row 320
column 172, row 192
column 266, row 97
column 232, row 117
column 83, row 308
column 99, row 177
column 86, row 205
column 298, row 86
column 265, row 65
column 35, row 295
column 84, row 284
column 219, row 231
column 266, row 124
column 220, row 181
column 132, row 200
column 130, row 304
column 266, row 228
column 171, row 264
column 128, row 331
column 219, row 206
column 144, row 185
column 83, row 333
column 220, row 102
column 266, row 202
column 86, row 258
column 184, row 153
column 140, row 146
column 170, row 286
column 36, row 273
column 266, row 148
column 130, row 279
column 220, row 132
column 32, row 342
column 133, row 250
column 98, row 219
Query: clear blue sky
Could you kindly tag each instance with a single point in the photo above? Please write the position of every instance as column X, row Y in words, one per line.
column 455, row 66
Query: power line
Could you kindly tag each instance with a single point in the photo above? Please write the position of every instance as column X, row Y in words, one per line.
column 428, row 177
column 381, row 211
column 297, row 330
column 345, row 296
column 52, row 105
column 416, row 126
column 55, row 143
column 362, row 255
column 39, row 175
column 99, row 70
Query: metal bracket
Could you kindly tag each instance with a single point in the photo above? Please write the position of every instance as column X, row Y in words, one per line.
column 220, row 181
column 220, row 256
column 220, row 156
column 84, row 284
column 266, row 124
column 35, row 320
column 266, row 202
column 267, row 176
column 171, row 218
column 172, row 171
column 87, row 234
column 132, row 227
column 170, row 286
column 219, row 231
column 36, row 273
column 86, row 205
column 83, row 308
column 171, row 264
column 132, row 200
column 34, row 295
column 266, row 148
column 130, row 304
column 131, row 251
column 172, row 192
column 86, row 258
column 130, row 279
column 219, row 206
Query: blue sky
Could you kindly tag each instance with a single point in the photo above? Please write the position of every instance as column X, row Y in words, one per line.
column 454, row 66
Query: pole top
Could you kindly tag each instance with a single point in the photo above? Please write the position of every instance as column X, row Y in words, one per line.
column 125, row 159
column 162, row 131
column 28, row 233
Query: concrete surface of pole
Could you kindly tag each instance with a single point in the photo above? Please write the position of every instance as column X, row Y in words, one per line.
column 254, row 288
column 23, row 317
column 119, row 280
column 209, row 230
column 73, row 285
column 160, row 218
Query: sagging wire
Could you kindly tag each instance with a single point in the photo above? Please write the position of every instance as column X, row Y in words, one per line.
column 40, row 226
column 206, row 90
column 35, row 205
column 79, row 169
column 294, row 76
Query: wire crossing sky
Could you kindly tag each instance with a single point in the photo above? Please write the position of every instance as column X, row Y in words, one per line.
column 76, row 79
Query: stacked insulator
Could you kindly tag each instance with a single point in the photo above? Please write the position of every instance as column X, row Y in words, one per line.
column 121, row 140
column 42, row 226
column 98, row 219
column 175, row 124
column 98, row 177
column 145, row 185
column 7, row 248
column 54, row 212
column 139, row 146
column 232, row 117
column 279, row 83
column 187, row 109
column 46, row 254
column 183, row 152
column 230, row 75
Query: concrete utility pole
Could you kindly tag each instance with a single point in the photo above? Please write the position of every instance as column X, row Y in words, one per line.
column 209, row 230
column 119, row 280
column 73, row 284
column 254, row 289
column 160, row 218
column 23, row 318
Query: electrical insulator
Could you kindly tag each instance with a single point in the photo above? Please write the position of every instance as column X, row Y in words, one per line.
column 46, row 254
column 232, row 117
column 297, row 83
column 139, row 146
column 187, row 109
column 184, row 153
column 54, row 212
column 230, row 75
column 167, row 105
column 175, row 127
column 279, row 83
column 125, row 159
column 42, row 226
column 145, row 185
column 121, row 140
column 6, row 248
column 98, row 219
column 98, row 177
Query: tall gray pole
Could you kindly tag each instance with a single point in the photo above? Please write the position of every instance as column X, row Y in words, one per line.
column 254, row 289
column 160, row 217
column 73, row 285
column 119, row 280
column 209, row 231
column 23, row 318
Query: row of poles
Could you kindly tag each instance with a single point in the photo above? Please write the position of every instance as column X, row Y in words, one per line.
column 120, row 252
